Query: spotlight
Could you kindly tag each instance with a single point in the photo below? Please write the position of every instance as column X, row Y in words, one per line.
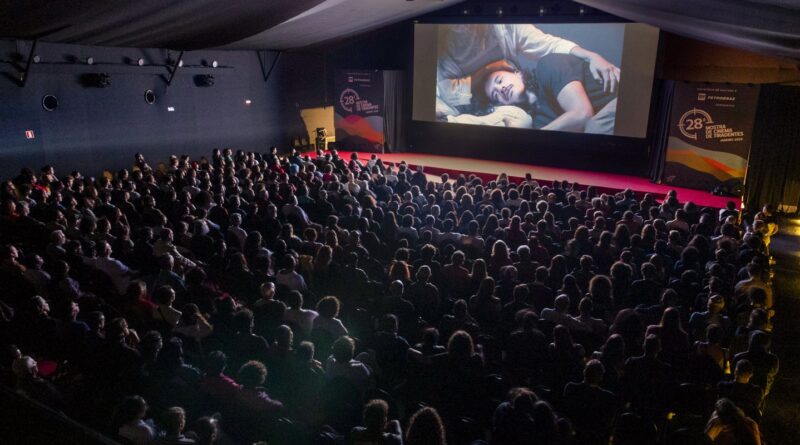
column 465, row 11
column 180, row 63
column 582, row 11
column 149, row 97
column 542, row 10
column 248, row 101
column 37, row 59
column 140, row 62
column 500, row 11
column 90, row 60
column 214, row 64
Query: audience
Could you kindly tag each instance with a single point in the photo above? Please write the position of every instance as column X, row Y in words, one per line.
column 468, row 310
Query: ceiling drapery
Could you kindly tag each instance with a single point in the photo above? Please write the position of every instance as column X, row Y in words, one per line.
column 198, row 24
column 763, row 26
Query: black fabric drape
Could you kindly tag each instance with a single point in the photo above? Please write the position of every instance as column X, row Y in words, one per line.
column 394, row 110
column 145, row 23
column 763, row 26
column 773, row 174
column 658, row 154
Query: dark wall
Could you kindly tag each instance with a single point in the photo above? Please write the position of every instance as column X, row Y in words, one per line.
column 98, row 128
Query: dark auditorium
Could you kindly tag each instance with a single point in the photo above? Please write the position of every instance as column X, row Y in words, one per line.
column 399, row 222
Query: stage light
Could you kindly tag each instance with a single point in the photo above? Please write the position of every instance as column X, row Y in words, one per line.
column 542, row 10
column 248, row 101
column 90, row 60
column 465, row 11
column 214, row 64
column 37, row 59
column 180, row 63
column 170, row 108
column 149, row 97
column 582, row 10
column 500, row 11
column 140, row 62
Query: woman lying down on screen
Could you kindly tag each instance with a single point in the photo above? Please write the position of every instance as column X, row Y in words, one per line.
column 560, row 94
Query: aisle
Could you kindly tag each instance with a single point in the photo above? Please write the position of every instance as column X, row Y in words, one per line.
column 781, row 421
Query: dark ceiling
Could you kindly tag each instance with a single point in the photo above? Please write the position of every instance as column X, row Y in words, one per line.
column 764, row 26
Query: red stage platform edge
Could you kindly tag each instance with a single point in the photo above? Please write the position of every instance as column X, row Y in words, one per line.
column 604, row 182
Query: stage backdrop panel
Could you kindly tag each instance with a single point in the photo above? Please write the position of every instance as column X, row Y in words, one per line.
column 358, row 110
column 710, row 135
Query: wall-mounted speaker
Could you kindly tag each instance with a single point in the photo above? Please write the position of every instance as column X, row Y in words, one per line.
column 96, row 80
column 204, row 80
column 49, row 102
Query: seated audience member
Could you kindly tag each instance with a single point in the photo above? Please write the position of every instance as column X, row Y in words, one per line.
column 327, row 328
column 164, row 313
column 765, row 364
column 174, row 421
column 740, row 391
column 591, row 408
column 130, row 416
column 674, row 340
column 647, row 380
column 728, row 424
column 425, row 428
column 301, row 319
column 699, row 321
column 391, row 351
column 254, row 409
column 377, row 429
column 245, row 345
column 342, row 364
column 214, row 383
column 205, row 431
column 268, row 313
column 192, row 324
column 31, row 385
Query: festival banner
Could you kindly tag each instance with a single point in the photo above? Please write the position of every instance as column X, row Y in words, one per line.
column 358, row 110
column 710, row 134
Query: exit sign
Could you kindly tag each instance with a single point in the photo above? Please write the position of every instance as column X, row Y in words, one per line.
column 29, row 134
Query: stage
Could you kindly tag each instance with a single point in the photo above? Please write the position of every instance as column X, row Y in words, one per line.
column 604, row 182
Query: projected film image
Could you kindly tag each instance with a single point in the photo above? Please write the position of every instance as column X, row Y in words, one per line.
column 548, row 77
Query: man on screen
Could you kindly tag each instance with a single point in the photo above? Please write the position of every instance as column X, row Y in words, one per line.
column 465, row 49
column 559, row 95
